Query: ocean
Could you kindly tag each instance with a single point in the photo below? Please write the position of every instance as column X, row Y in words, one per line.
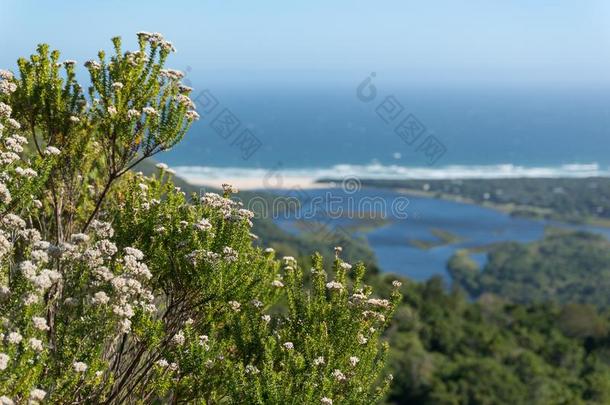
column 322, row 131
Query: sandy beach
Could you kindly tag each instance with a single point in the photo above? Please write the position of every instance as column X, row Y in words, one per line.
column 258, row 183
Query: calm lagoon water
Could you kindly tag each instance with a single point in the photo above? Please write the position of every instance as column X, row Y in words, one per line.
column 474, row 225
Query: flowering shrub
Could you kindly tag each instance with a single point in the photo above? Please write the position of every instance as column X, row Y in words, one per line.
column 116, row 287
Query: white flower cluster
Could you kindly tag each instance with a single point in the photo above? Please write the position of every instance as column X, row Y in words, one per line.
column 206, row 255
column 203, row 225
column 135, row 58
column 185, row 101
column 7, row 86
column 93, row 65
column 4, row 359
column 379, row 303
column 228, row 208
column 334, row 285
column 5, row 110
column 171, row 74
column 150, row 111
column 156, row 39
column 229, row 254
column 192, row 115
column 339, row 376
column 11, row 145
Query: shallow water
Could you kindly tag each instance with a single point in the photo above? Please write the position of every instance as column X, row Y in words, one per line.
column 474, row 225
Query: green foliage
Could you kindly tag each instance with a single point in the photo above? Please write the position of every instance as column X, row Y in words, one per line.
column 563, row 267
column 446, row 350
column 117, row 287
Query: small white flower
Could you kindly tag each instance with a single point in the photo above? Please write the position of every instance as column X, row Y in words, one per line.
column 376, row 302
column 318, row 361
column 14, row 338
column 203, row 340
column 346, row 266
column 288, row 345
column 137, row 253
column 35, row 344
column 51, row 150
column 229, row 188
column 100, row 297
column 288, row 260
column 230, row 254
column 269, row 250
column 5, row 110
column 396, row 283
column 192, row 115
column 277, row 283
column 40, row 323
column 4, row 359
column 6, row 74
column 162, row 363
column 250, row 369
column 236, row 306
column 13, row 123
column 37, row 394
column 150, row 111
column 339, row 376
column 353, row 361
column 79, row 238
column 112, row 110
column 132, row 113
column 4, row 400
column 161, row 166
column 334, row 285
column 203, row 225
column 326, row 401
column 93, row 65
column 79, row 366
column 266, row 318
column 178, row 338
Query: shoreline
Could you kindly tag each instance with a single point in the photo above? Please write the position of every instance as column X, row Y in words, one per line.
column 257, row 183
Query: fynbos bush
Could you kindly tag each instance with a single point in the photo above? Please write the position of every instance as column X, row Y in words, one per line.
column 119, row 288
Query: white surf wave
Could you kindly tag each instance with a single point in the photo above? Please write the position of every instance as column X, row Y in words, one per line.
column 378, row 171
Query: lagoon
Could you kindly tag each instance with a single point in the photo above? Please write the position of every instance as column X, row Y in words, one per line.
column 394, row 239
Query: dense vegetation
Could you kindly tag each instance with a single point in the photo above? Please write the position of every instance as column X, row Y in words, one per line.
column 116, row 287
column 563, row 267
column 447, row 350
column 567, row 199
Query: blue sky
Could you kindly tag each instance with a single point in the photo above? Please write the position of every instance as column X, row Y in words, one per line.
column 433, row 41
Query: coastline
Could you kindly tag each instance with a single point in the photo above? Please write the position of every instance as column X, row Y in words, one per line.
column 271, row 181
column 256, row 183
